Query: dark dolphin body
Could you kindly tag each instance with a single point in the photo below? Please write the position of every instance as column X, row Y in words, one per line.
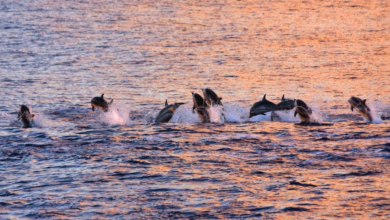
column 167, row 112
column 285, row 104
column 262, row 107
column 385, row 116
column 361, row 106
column 25, row 116
column 201, row 107
column 101, row 103
column 303, row 111
column 211, row 97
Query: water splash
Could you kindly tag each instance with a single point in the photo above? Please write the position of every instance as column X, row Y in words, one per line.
column 317, row 115
column 216, row 114
column 375, row 108
column 117, row 114
column 287, row 116
column 184, row 114
column 236, row 113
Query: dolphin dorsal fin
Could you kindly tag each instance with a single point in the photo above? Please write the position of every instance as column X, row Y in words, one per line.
column 283, row 97
column 264, row 97
column 364, row 101
column 102, row 95
column 166, row 102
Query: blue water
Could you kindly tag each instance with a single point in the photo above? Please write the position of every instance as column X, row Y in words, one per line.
column 76, row 163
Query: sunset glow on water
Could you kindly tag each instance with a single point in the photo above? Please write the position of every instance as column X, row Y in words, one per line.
column 75, row 163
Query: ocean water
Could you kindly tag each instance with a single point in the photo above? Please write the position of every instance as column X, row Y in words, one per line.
column 55, row 56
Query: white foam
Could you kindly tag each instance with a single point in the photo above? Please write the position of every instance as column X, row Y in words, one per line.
column 317, row 115
column 287, row 116
column 216, row 114
column 117, row 114
column 235, row 113
column 375, row 109
column 184, row 114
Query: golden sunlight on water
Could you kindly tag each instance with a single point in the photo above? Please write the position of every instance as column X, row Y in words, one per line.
column 79, row 163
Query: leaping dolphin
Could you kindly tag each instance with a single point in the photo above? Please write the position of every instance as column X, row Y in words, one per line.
column 167, row 112
column 25, row 116
column 285, row 104
column 211, row 98
column 262, row 107
column 100, row 103
column 303, row 111
column 361, row 107
column 200, row 106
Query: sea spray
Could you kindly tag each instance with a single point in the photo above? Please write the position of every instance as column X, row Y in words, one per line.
column 235, row 113
column 375, row 109
column 184, row 114
column 117, row 114
column 216, row 113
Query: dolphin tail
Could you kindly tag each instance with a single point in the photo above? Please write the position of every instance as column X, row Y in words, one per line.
column 351, row 108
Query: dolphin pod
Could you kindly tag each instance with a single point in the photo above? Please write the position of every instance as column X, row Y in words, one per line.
column 201, row 107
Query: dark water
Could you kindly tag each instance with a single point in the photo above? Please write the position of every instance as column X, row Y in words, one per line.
column 74, row 163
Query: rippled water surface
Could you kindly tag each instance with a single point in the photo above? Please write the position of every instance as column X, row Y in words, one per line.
column 74, row 163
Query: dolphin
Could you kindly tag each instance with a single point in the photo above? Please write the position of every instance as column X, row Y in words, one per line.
column 201, row 107
column 25, row 116
column 361, row 107
column 101, row 103
column 303, row 111
column 262, row 107
column 211, row 97
column 285, row 104
column 167, row 112
column 385, row 117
